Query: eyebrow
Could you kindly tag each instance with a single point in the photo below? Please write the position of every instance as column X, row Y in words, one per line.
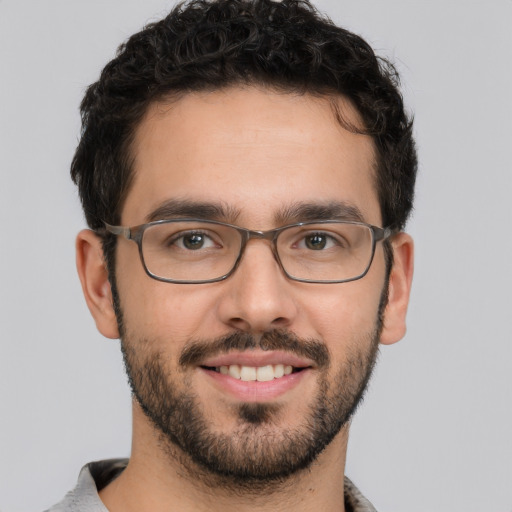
column 294, row 212
column 333, row 210
column 176, row 208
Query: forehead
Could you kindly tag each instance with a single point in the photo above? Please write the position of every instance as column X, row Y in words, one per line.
column 253, row 150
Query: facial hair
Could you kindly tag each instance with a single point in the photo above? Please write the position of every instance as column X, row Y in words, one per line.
column 256, row 453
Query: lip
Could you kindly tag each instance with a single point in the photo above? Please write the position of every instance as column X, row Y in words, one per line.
column 258, row 358
column 254, row 391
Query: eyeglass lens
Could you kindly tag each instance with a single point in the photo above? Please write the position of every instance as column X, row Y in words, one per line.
column 196, row 251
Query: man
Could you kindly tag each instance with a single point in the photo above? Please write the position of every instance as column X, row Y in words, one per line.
column 246, row 169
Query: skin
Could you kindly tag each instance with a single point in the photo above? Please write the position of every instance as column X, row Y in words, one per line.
column 257, row 151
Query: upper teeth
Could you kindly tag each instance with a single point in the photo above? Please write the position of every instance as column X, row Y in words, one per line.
column 259, row 373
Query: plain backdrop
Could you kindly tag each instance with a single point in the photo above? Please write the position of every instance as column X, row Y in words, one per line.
column 434, row 433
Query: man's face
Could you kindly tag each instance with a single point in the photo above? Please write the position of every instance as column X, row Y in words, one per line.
column 262, row 159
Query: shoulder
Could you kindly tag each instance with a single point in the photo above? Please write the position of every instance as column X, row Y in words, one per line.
column 354, row 499
column 93, row 477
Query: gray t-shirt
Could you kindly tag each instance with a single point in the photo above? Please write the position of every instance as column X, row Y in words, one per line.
column 97, row 475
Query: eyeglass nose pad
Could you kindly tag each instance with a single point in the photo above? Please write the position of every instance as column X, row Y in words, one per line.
column 270, row 236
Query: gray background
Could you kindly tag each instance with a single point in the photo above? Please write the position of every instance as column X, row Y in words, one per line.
column 434, row 432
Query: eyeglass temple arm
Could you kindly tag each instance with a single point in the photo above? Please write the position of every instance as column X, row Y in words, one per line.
column 119, row 230
column 384, row 233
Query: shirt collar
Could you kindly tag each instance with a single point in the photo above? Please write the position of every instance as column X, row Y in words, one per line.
column 97, row 475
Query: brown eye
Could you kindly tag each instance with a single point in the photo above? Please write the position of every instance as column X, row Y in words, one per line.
column 194, row 241
column 316, row 242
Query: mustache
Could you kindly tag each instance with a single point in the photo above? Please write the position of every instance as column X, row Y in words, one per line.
column 278, row 339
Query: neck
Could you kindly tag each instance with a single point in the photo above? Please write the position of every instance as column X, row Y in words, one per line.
column 163, row 479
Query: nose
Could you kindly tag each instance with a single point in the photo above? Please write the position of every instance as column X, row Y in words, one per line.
column 258, row 297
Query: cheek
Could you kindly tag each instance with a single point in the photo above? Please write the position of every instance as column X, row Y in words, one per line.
column 162, row 312
column 179, row 314
column 343, row 314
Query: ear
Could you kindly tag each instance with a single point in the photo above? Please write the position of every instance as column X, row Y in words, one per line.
column 400, row 281
column 93, row 275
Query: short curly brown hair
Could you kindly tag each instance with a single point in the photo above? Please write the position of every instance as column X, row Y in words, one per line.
column 205, row 45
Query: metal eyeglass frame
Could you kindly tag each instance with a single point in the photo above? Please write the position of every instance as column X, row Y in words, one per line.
column 135, row 233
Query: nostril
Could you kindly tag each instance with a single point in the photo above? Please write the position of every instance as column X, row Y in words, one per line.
column 240, row 323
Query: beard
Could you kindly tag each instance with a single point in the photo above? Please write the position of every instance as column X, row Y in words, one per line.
column 256, row 453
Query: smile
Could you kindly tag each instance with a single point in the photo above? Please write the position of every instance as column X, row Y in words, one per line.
column 256, row 373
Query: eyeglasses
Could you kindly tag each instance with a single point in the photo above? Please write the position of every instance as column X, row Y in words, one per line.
column 189, row 251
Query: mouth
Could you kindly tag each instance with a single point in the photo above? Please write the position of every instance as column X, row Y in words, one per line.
column 265, row 373
column 255, row 375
